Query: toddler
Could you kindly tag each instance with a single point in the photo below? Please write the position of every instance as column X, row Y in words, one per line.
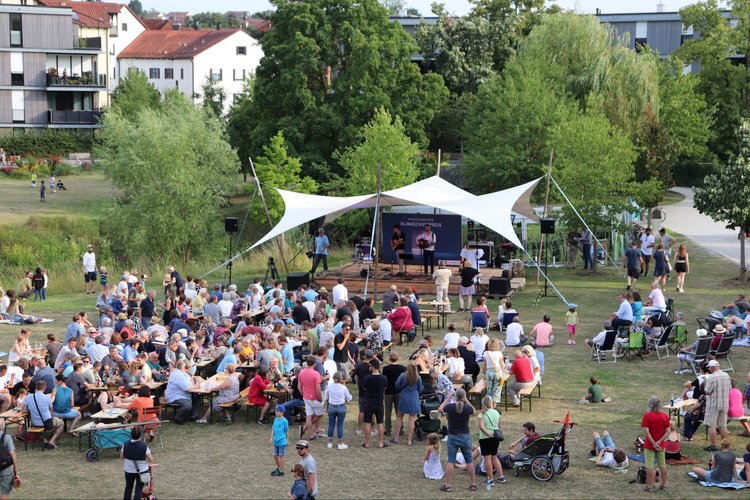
column 594, row 394
column 103, row 277
column 571, row 319
column 431, row 465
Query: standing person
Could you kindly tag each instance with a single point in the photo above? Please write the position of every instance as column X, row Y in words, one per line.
column 647, row 249
column 7, row 454
column 37, row 280
column 467, row 289
column 459, row 438
column 392, row 371
column 585, row 241
column 373, row 401
column 493, row 369
column 667, row 241
column 137, row 456
column 442, row 281
column 52, row 183
column 42, row 193
column 321, row 251
column 633, row 263
column 489, row 422
column 571, row 320
column 398, row 244
column 410, row 386
column 656, row 427
column 34, row 177
column 716, row 389
column 298, row 491
column 337, row 395
column 311, row 470
column 426, row 242
column 681, row 267
column 661, row 265
column 308, row 382
column 279, row 440
column 572, row 242
column 89, row 269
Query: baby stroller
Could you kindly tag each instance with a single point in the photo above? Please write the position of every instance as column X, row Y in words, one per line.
column 426, row 424
column 546, row 456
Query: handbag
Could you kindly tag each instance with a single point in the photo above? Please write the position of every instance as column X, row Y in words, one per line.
column 145, row 477
column 48, row 423
column 498, row 434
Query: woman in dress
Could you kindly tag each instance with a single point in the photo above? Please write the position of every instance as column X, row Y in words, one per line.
column 431, row 465
column 493, row 369
column 466, row 290
column 410, row 386
column 681, row 266
column 229, row 392
column 661, row 265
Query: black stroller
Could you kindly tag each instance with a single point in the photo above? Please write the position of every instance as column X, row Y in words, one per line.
column 426, row 424
column 546, row 456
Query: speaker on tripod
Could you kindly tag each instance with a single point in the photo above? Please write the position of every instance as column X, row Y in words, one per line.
column 547, row 225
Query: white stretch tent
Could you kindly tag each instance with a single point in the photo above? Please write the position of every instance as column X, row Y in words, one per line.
column 491, row 210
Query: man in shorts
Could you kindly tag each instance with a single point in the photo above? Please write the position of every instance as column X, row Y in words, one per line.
column 89, row 269
column 633, row 263
column 308, row 382
column 716, row 390
column 373, row 402
column 39, row 406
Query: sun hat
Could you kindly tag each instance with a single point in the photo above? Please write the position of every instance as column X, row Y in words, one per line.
column 719, row 329
column 701, row 332
column 121, row 316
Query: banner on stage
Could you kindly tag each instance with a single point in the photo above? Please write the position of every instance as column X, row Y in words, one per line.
column 447, row 229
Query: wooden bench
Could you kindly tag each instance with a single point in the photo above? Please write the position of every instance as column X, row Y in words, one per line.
column 478, row 389
column 248, row 405
column 527, row 392
column 234, row 405
column 35, row 431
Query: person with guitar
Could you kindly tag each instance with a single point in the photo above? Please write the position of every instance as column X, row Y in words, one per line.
column 321, row 251
column 426, row 242
column 398, row 243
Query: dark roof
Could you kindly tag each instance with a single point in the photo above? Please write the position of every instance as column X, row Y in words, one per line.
column 183, row 44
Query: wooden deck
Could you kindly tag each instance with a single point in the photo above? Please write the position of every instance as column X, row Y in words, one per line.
column 382, row 279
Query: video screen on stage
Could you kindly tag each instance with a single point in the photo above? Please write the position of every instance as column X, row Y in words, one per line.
column 447, row 229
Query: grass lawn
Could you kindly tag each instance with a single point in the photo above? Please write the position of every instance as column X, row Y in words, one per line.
column 235, row 461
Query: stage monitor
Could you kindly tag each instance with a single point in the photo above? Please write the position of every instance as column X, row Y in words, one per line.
column 447, row 229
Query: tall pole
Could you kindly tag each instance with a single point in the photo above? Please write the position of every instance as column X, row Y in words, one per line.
column 374, row 235
column 268, row 214
column 230, row 257
column 543, row 239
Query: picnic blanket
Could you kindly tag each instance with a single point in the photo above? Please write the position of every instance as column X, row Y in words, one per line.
column 9, row 322
column 742, row 342
column 684, row 460
column 726, row 486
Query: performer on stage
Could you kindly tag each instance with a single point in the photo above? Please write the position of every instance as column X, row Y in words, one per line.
column 426, row 242
column 321, row 251
column 398, row 243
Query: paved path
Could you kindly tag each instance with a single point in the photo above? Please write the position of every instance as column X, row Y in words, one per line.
column 684, row 218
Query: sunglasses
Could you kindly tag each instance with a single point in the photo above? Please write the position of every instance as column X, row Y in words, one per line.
column 301, row 448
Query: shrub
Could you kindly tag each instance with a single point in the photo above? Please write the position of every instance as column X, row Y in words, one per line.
column 50, row 142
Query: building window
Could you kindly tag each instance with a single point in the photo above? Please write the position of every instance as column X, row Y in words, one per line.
column 238, row 75
column 17, row 100
column 216, row 75
column 16, row 30
column 182, row 73
column 168, row 73
column 124, row 26
column 241, row 50
column 641, row 45
column 154, row 73
column 16, row 79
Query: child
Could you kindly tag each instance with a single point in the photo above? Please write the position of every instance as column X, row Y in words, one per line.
column 278, row 438
column 299, row 486
column 46, row 281
column 103, row 277
column 745, row 463
column 607, row 455
column 34, row 177
column 42, row 191
column 571, row 319
column 431, row 461
column 595, row 392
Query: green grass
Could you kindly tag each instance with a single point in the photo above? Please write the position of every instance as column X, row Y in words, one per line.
column 671, row 198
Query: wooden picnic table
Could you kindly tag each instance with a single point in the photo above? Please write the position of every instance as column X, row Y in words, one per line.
column 14, row 415
column 109, row 414
column 677, row 407
column 205, row 389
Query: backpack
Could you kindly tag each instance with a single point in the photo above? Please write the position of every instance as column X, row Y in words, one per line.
column 5, row 459
column 640, row 478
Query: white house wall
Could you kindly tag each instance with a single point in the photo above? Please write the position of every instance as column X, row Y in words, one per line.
column 117, row 44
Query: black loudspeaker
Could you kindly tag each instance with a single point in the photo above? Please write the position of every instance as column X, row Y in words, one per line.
column 499, row 286
column 294, row 280
column 231, row 224
column 547, row 226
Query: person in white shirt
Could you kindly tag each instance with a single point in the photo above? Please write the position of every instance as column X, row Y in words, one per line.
column 122, row 286
column 89, row 269
column 514, row 334
column 385, row 329
column 225, row 305
column 442, row 281
column 479, row 341
column 451, row 338
column 647, row 249
column 657, row 302
column 426, row 242
column 340, row 293
column 607, row 455
column 337, row 395
column 190, row 291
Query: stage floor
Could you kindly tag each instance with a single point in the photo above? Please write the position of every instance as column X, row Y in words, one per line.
column 413, row 279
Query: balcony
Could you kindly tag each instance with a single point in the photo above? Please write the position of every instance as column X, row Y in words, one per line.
column 87, row 79
column 73, row 117
column 90, row 43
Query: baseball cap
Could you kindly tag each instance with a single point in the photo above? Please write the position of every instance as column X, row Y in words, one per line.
column 302, row 444
column 289, row 321
column 712, row 363
column 184, row 315
column 369, row 353
column 281, row 408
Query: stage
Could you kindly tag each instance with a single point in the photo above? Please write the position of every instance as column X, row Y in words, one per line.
column 413, row 279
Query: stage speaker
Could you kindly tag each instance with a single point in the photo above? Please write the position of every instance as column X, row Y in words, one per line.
column 231, row 224
column 294, row 280
column 499, row 286
column 547, row 226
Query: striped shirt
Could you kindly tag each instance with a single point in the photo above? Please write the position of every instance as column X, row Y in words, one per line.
column 717, row 389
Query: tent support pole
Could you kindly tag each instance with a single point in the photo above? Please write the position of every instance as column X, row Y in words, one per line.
column 373, row 235
column 544, row 215
column 584, row 223
column 268, row 214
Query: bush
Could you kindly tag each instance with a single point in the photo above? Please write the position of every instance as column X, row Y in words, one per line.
column 50, row 142
column 29, row 165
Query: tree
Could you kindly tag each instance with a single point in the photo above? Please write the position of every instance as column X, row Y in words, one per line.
column 393, row 7
column 133, row 94
column 213, row 96
column 328, row 65
column 275, row 168
column 136, row 6
column 240, row 123
column 213, row 20
column 151, row 14
column 383, row 143
column 725, row 195
column 173, row 171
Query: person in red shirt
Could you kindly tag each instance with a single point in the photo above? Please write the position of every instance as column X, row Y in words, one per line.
column 400, row 318
column 308, row 382
column 656, row 427
column 521, row 368
column 256, row 394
